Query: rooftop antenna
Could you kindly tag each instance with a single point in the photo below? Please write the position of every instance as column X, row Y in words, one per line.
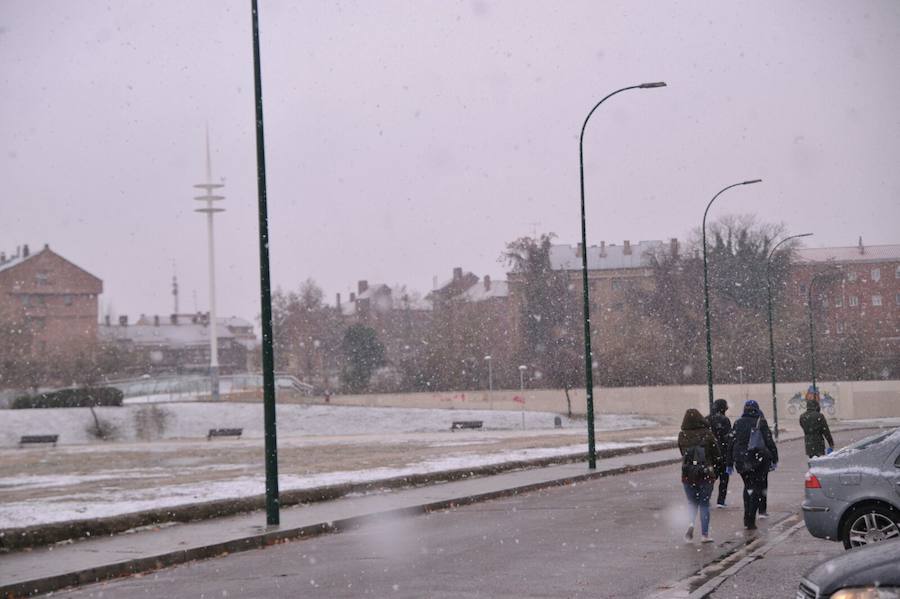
column 175, row 287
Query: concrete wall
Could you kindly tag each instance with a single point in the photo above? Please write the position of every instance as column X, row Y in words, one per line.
column 852, row 400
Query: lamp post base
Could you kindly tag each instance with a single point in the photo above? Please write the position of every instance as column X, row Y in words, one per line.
column 214, row 382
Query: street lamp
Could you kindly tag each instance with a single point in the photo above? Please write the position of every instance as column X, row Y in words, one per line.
column 771, row 336
column 812, row 341
column 210, row 210
column 588, row 356
column 490, row 382
column 709, row 371
column 522, row 370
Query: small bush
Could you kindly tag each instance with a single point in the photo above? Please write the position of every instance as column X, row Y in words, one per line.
column 150, row 422
column 71, row 398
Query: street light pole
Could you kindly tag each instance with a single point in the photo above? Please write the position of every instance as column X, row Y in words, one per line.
column 771, row 335
column 812, row 341
column 522, row 370
column 588, row 356
column 709, row 369
column 268, row 352
column 490, row 382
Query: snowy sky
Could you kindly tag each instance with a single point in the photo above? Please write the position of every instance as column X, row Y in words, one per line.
column 406, row 138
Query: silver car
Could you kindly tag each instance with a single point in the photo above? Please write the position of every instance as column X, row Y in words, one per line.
column 853, row 495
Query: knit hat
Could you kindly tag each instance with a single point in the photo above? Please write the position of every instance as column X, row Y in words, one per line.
column 751, row 403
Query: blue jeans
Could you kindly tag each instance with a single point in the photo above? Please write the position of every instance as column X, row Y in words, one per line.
column 698, row 498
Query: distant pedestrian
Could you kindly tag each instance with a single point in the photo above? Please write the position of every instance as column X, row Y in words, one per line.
column 700, row 453
column 753, row 453
column 815, row 430
column 720, row 425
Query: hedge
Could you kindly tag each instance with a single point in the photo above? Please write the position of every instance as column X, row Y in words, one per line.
column 71, row 398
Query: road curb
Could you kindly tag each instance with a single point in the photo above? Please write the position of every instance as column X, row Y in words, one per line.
column 272, row 537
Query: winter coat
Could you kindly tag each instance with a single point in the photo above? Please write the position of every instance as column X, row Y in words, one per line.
column 815, row 429
column 695, row 431
column 739, row 454
column 720, row 425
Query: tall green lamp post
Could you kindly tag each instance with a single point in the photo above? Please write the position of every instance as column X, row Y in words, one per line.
column 268, row 354
column 709, row 368
column 771, row 335
column 588, row 356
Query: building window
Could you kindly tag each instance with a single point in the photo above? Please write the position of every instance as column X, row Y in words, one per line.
column 42, row 278
column 897, row 299
column 876, row 300
column 876, row 274
column 897, row 273
column 67, row 300
column 851, row 276
column 838, row 302
column 840, row 328
column 853, row 301
column 26, row 300
column 802, row 288
column 616, row 284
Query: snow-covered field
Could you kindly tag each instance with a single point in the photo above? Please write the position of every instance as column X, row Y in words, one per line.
column 318, row 445
column 193, row 420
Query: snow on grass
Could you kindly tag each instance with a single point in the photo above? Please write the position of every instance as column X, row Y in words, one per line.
column 193, row 420
column 110, row 501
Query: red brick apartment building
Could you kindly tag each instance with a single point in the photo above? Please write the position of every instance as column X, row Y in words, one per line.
column 54, row 299
column 862, row 295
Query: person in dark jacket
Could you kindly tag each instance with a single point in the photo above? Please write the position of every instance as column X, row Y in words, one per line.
column 700, row 450
column 720, row 425
column 815, row 430
column 752, row 464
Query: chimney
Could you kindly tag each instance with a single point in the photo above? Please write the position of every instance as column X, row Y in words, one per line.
column 487, row 282
column 26, row 251
column 673, row 247
column 46, row 246
column 603, row 249
column 457, row 273
column 352, row 298
column 362, row 286
column 578, row 250
column 123, row 320
column 156, row 320
column 337, row 300
column 173, row 319
column 2, row 257
column 862, row 248
column 627, row 249
column 106, row 319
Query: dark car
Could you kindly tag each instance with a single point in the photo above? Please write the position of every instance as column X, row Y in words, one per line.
column 871, row 572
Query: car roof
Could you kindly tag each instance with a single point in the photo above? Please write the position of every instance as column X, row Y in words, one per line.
column 864, row 566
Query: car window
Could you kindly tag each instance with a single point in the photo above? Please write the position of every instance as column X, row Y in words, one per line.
column 893, row 435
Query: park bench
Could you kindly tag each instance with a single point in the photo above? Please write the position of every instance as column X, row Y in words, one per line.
column 37, row 439
column 224, row 432
column 458, row 424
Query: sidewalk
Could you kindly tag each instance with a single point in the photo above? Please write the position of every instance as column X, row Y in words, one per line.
column 88, row 561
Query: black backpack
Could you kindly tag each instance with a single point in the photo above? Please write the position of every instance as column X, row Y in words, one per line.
column 694, row 468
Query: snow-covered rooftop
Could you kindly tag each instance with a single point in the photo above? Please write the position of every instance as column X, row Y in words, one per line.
column 565, row 257
column 867, row 253
column 15, row 261
column 479, row 291
column 164, row 334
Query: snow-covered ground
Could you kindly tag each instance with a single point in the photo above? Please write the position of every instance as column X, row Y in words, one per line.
column 318, row 445
column 194, row 419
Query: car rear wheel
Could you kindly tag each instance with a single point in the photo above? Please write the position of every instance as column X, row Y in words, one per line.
column 866, row 525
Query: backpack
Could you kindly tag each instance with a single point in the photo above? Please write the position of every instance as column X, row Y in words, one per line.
column 757, row 451
column 694, row 469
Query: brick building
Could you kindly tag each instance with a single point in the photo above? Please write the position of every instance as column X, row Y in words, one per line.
column 862, row 296
column 56, row 301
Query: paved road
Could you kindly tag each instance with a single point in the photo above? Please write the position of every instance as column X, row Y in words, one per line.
column 613, row 537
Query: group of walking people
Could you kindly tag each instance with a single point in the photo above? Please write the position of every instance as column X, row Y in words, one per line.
column 714, row 449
